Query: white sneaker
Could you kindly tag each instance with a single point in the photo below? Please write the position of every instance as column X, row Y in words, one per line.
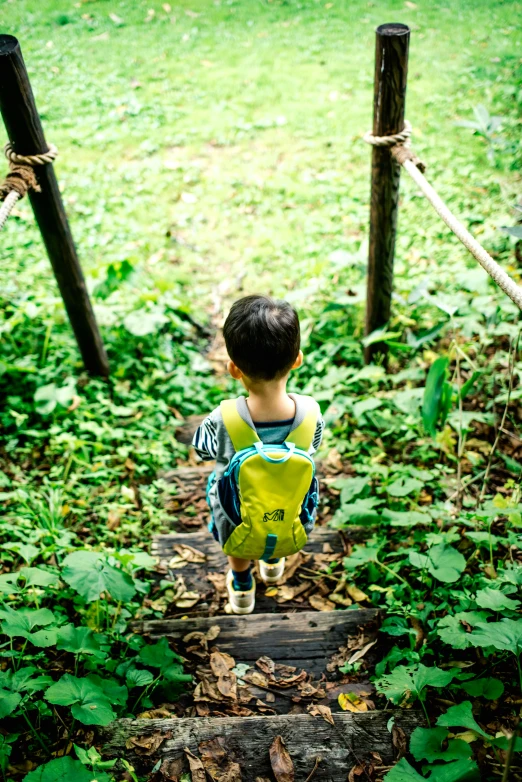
column 271, row 573
column 241, row 602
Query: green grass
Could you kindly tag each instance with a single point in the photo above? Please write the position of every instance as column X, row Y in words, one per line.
column 254, row 112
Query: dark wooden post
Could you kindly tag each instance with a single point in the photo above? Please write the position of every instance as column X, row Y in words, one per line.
column 391, row 70
column 25, row 132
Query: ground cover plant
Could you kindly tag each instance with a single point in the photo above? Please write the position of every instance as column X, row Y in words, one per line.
column 211, row 148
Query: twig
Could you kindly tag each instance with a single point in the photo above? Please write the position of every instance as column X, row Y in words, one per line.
column 460, row 446
column 511, row 367
column 316, row 766
column 511, row 752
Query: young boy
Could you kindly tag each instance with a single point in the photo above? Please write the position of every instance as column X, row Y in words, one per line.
column 263, row 493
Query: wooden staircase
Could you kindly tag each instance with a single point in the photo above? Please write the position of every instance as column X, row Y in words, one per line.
column 283, row 678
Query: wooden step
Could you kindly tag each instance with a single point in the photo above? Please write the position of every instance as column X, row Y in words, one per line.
column 305, row 640
column 314, row 642
column 246, row 741
column 163, row 546
column 200, row 571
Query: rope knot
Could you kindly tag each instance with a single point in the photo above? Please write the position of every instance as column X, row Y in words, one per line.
column 399, row 145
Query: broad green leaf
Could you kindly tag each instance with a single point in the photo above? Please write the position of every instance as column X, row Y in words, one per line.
column 8, row 702
column 410, row 518
column 20, row 623
column 352, row 487
column 465, row 770
column 487, row 687
column 91, row 757
column 116, row 693
column 495, row 600
column 65, row 770
column 403, row 772
column 24, row 680
column 90, row 574
column 359, row 512
column 426, row 744
column 461, row 716
column 36, row 576
column 453, row 632
column 158, row 655
column 8, row 585
column 143, row 322
column 404, row 486
column 47, row 397
column 444, row 563
column 78, row 640
column 505, row 635
column 361, row 555
column 413, row 680
column 138, row 678
column 26, row 551
column 88, row 702
column 431, row 403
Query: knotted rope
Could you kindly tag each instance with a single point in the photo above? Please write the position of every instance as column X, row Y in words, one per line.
column 21, row 177
column 399, row 146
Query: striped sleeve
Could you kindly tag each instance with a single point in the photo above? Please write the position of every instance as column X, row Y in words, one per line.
column 318, row 436
column 205, row 439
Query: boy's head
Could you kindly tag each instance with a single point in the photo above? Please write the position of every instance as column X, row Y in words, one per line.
column 263, row 338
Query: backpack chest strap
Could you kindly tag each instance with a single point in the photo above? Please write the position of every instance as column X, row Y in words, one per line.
column 241, row 434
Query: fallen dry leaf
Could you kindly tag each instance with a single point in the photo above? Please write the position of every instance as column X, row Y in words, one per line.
column 356, row 594
column 266, row 665
column 172, row 769
column 155, row 714
column 281, row 762
column 318, row 710
column 359, row 654
column 321, row 603
column 348, row 701
column 286, row 592
column 197, row 769
column 190, row 554
column 221, row 663
column 147, row 745
column 217, row 763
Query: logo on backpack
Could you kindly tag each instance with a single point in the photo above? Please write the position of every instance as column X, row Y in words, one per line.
column 275, row 515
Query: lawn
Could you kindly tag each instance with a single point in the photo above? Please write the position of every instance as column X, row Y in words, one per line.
column 209, row 149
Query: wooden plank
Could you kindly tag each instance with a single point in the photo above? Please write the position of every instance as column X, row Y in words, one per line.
column 201, row 576
column 294, row 639
column 163, row 545
column 247, row 740
column 304, row 640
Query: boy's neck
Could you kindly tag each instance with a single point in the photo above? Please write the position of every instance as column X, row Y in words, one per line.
column 269, row 401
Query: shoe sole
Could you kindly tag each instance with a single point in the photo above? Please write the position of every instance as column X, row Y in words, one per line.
column 241, row 610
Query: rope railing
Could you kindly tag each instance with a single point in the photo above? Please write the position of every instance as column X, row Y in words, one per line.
column 399, row 145
column 21, row 177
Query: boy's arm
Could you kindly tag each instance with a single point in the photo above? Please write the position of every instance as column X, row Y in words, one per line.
column 205, row 439
column 318, row 436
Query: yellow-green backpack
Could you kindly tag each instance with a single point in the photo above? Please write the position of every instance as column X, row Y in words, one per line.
column 269, row 484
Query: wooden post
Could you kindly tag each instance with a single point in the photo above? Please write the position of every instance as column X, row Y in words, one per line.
column 391, row 69
column 25, row 132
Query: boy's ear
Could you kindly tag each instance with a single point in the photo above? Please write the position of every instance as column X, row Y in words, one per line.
column 234, row 371
column 299, row 360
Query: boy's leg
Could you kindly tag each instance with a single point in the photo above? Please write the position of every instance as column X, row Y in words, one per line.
column 240, row 586
column 239, row 565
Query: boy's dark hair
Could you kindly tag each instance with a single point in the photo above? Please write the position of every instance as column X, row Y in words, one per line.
column 262, row 336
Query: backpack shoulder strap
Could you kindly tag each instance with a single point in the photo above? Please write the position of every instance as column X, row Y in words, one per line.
column 241, row 434
column 303, row 435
